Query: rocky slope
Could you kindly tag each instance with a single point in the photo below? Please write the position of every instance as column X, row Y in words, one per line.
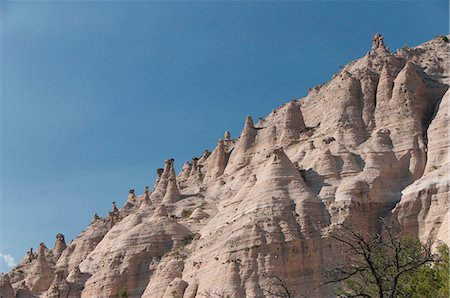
column 371, row 142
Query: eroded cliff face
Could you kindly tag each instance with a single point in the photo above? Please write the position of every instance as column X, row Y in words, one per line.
column 372, row 142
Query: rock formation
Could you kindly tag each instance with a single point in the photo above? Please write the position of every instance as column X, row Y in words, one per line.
column 6, row 290
column 41, row 273
column 60, row 246
column 372, row 142
column 227, row 135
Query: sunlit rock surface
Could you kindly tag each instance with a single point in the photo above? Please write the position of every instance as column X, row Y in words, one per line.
column 372, row 142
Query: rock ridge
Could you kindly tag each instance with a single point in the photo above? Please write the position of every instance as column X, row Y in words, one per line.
column 372, row 142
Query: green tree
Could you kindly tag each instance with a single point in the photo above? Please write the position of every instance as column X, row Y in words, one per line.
column 385, row 265
column 123, row 292
column 431, row 280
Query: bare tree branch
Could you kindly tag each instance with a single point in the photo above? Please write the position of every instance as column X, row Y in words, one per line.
column 377, row 262
column 282, row 291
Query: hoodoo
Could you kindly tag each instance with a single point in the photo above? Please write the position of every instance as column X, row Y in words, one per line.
column 378, row 44
column 60, row 246
column 6, row 290
column 372, row 142
column 293, row 124
column 172, row 193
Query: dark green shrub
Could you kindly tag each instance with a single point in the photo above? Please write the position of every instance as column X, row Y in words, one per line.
column 186, row 213
column 442, row 38
column 123, row 292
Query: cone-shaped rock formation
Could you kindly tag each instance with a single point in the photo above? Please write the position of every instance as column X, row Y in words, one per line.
column 372, row 142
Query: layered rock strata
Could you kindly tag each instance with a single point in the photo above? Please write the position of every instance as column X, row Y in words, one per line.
column 372, row 142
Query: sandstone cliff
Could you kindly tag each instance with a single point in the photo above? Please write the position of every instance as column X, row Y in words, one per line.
column 372, row 142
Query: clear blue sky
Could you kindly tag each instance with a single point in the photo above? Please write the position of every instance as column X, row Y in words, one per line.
column 95, row 95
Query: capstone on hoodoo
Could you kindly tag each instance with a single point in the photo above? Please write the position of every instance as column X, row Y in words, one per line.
column 369, row 143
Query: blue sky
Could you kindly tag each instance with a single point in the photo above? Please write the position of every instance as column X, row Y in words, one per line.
column 95, row 95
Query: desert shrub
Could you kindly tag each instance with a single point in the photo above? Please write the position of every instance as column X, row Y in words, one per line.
column 442, row 38
column 186, row 213
column 123, row 292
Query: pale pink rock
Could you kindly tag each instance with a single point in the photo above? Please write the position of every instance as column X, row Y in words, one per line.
column 60, row 246
column 172, row 194
column 6, row 289
column 371, row 142
column 41, row 273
